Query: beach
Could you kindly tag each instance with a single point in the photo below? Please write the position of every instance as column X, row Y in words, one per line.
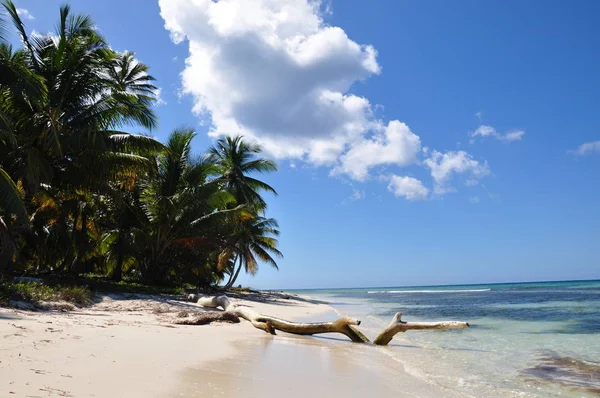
column 127, row 346
column 526, row 340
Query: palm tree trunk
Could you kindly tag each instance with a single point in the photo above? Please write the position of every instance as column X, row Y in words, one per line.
column 69, row 258
column 117, row 273
column 81, row 243
column 231, row 274
column 7, row 250
column 235, row 276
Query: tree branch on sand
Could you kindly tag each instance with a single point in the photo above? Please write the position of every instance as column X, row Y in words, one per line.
column 343, row 325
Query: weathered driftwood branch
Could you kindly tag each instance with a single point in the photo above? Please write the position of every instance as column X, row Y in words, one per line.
column 341, row 325
column 397, row 325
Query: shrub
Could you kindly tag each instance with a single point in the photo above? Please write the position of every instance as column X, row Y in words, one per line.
column 36, row 292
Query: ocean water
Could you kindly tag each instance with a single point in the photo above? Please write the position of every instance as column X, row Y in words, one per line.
column 526, row 339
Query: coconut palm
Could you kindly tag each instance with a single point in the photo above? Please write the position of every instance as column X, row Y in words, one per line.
column 253, row 240
column 119, row 241
column 73, row 126
column 178, row 202
column 235, row 160
column 78, row 194
column 10, row 204
column 64, row 96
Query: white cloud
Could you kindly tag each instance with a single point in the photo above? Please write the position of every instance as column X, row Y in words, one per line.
column 408, row 187
column 25, row 14
column 479, row 115
column 444, row 166
column 396, row 144
column 587, row 148
column 485, row 131
column 355, row 196
column 513, row 135
column 159, row 99
column 489, row 131
column 275, row 72
column 474, row 199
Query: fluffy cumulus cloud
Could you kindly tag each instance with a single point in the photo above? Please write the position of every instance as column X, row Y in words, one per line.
column 489, row 131
column 25, row 14
column 407, row 187
column 445, row 166
column 587, row 148
column 394, row 144
column 273, row 71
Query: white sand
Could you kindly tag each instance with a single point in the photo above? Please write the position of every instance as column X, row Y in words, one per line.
column 127, row 348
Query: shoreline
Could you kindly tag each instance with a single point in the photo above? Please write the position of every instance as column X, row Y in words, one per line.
column 124, row 346
column 505, row 354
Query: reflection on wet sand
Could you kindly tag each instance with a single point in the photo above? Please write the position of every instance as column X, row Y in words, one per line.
column 303, row 366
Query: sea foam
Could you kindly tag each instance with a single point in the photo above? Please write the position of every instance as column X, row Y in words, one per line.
column 429, row 291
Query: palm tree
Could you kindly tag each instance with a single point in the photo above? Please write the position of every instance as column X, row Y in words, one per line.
column 78, row 194
column 10, row 204
column 178, row 202
column 64, row 97
column 235, row 160
column 253, row 237
column 72, row 127
column 14, row 77
column 119, row 240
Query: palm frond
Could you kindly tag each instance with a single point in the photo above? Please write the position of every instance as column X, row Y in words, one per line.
column 135, row 143
column 10, row 7
column 10, row 201
column 3, row 28
column 259, row 166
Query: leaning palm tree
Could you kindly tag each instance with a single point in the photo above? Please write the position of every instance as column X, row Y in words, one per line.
column 235, row 160
column 253, row 239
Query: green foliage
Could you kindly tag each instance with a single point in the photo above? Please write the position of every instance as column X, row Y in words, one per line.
column 80, row 196
column 37, row 291
column 101, row 283
column 235, row 160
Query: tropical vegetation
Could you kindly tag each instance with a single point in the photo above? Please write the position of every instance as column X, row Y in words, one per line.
column 80, row 195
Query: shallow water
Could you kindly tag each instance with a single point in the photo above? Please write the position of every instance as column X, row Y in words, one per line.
column 530, row 339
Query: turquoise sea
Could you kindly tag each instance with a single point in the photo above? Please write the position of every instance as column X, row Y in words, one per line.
column 527, row 339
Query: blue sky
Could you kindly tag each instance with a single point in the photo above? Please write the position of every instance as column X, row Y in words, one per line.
column 419, row 143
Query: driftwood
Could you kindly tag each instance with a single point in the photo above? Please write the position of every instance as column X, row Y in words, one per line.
column 397, row 325
column 343, row 325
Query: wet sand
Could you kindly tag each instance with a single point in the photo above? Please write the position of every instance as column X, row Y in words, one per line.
column 296, row 366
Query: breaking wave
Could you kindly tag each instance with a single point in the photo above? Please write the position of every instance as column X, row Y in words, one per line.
column 429, row 291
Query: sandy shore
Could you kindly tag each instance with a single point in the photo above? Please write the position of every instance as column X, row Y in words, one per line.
column 126, row 346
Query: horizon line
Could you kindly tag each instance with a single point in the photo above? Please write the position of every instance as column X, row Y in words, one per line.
column 443, row 285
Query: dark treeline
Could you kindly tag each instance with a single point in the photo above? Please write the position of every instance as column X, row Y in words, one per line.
column 78, row 195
